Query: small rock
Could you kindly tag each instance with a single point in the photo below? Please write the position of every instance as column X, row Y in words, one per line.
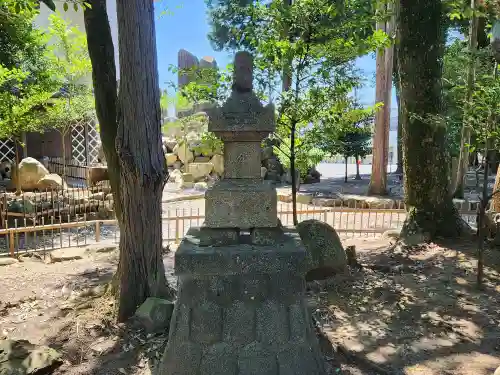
column 66, row 254
column 104, row 346
column 154, row 314
column 8, row 261
column 201, row 186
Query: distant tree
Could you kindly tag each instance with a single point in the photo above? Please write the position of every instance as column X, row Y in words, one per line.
column 346, row 131
column 75, row 102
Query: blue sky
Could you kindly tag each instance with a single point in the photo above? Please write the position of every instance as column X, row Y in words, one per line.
column 187, row 27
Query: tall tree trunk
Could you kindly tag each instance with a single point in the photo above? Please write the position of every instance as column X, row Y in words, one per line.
column 395, row 75
column 142, row 162
column 421, row 43
column 463, row 161
column 378, row 180
column 102, row 57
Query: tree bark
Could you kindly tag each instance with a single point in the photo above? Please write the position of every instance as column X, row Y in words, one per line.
column 425, row 160
column 102, row 57
column 358, row 176
column 463, row 162
column 399, row 169
column 142, row 162
column 378, row 180
column 345, row 175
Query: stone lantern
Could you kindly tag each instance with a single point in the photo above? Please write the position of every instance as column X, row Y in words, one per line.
column 241, row 306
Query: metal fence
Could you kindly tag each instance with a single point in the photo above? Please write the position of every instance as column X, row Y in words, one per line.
column 77, row 224
column 74, row 169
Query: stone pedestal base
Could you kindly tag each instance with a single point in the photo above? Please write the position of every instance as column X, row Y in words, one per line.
column 241, row 311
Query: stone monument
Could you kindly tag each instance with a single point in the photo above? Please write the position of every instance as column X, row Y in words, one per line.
column 241, row 306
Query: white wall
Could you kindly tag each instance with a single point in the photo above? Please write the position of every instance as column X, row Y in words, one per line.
column 76, row 19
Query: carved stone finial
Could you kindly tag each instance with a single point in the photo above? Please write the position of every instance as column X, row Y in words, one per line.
column 243, row 72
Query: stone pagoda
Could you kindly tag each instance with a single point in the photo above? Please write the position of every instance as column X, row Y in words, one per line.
column 241, row 306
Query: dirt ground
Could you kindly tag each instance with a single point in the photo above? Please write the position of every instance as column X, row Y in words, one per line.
column 417, row 313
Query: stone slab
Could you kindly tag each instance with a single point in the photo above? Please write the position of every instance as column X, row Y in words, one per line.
column 242, row 204
column 242, row 160
column 244, row 257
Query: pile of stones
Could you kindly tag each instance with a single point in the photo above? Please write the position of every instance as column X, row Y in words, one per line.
column 195, row 160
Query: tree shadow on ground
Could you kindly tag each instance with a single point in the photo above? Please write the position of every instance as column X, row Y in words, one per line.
column 91, row 341
column 417, row 311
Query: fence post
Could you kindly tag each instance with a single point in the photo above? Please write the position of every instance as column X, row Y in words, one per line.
column 325, row 217
column 97, row 231
column 177, row 235
column 11, row 244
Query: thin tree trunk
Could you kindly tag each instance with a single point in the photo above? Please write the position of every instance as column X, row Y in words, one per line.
column 378, row 180
column 102, row 56
column 345, row 176
column 421, row 46
column 293, row 174
column 142, row 162
column 358, row 176
column 399, row 169
column 463, row 163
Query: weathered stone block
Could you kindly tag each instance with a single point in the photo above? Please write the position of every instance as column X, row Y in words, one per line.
column 272, row 324
column 242, row 113
column 297, row 358
column 206, row 236
column 206, row 324
column 239, row 324
column 219, row 359
column 241, row 204
column 154, row 314
column 266, row 236
column 181, row 358
column 255, row 359
column 243, row 258
column 242, row 160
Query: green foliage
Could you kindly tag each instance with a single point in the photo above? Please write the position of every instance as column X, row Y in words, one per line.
column 347, row 130
column 456, row 59
column 27, row 74
column 21, row 102
column 73, row 67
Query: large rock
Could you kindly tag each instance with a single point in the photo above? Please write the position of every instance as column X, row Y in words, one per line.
column 52, row 181
column 183, row 152
column 218, row 163
column 169, row 144
column 170, row 158
column 154, row 314
column 325, row 253
column 200, row 170
column 24, row 358
column 175, row 176
column 28, row 173
column 96, row 174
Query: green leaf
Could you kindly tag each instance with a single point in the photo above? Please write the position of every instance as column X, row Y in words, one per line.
column 75, row 7
column 65, row 7
column 87, row 5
